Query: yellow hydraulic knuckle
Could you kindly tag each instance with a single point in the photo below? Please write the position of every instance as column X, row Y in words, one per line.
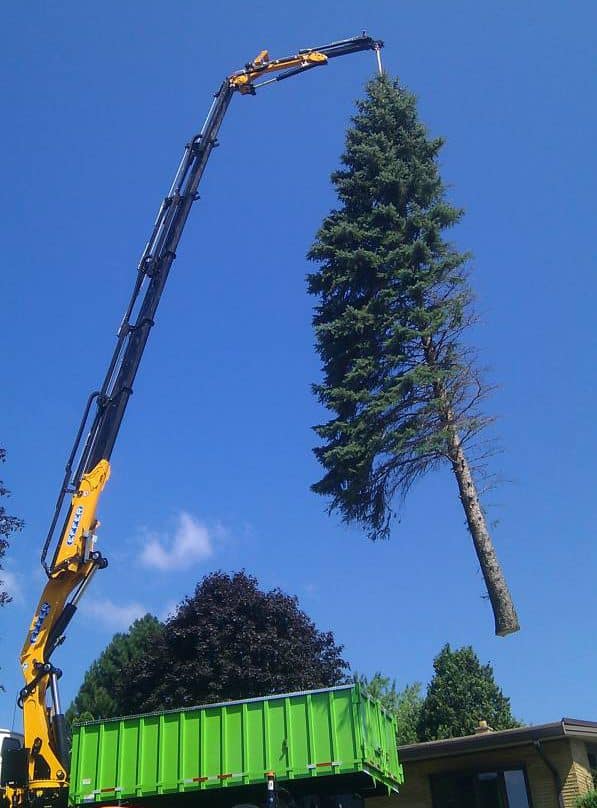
column 96, row 478
column 261, row 58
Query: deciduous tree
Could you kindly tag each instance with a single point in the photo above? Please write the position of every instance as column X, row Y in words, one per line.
column 405, row 704
column 8, row 525
column 232, row 640
column 393, row 305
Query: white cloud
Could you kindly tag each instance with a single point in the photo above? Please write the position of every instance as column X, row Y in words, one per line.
column 113, row 615
column 192, row 542
column 10, row 583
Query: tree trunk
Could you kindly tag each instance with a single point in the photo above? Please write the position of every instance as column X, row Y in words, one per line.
column 504, row 613
column 506, row 619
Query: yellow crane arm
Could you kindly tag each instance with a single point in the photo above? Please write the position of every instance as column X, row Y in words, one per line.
column 243, row 80
column 75, row 562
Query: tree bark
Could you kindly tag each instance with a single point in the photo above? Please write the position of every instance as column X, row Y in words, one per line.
column 506, row 619
column 504, row 613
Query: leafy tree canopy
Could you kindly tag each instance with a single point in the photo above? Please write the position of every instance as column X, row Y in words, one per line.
column 8, row 525
column 231, row 640
column 405, row 704
column 461, row 693
column 99, row 695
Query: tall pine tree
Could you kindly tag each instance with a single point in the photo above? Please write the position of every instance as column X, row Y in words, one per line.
column 393, row 304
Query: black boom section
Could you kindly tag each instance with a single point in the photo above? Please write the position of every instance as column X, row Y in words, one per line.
column 153, row 270
column 346, row 46
column 152, row 273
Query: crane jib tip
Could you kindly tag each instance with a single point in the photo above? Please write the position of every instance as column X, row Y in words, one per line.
column 377, row 49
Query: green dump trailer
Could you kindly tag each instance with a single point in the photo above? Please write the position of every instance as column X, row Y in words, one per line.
column 327, row 748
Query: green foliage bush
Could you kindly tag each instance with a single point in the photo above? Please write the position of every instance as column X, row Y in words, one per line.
column 406, row 704
column 588, row 800
column 461, row 693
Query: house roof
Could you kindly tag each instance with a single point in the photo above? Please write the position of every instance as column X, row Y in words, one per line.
column 567, row 727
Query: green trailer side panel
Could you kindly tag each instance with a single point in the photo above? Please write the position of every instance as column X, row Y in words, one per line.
column 336, row 731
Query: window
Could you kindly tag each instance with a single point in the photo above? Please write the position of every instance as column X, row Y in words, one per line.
column 493, row 789
column 516, row 788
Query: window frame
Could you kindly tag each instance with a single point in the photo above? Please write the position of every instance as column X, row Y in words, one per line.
column 474, row 772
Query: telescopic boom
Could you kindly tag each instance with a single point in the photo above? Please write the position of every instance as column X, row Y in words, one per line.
column 38, row 774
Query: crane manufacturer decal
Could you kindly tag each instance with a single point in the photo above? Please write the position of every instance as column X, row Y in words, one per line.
column 75, row 525
column 44, row 611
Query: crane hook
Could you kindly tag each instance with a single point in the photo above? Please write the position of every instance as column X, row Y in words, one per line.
column 377, row 49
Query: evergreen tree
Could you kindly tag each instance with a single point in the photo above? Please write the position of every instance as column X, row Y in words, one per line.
column 232, row 640
column 8, row 525
column 461, row 693
column 405, row 704
column 393, row 302
column 99, row 695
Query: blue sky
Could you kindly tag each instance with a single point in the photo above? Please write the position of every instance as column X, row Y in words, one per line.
column 213, row 465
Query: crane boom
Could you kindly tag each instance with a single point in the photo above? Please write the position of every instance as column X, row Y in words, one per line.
column 37, row 775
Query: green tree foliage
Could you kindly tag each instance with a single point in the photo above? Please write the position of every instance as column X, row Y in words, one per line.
column 232, row 640
column 393, row 303
column 8, row 525
column 405, row 704
column 100, row 694
column 461, row 693
column 408, row 711
column 588, row 800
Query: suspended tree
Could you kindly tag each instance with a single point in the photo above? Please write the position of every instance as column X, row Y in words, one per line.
column 393, row 305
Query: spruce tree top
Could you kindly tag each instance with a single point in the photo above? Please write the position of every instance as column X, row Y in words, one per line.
column 393, row 300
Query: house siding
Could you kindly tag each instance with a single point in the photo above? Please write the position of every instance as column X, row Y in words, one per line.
column 580, row 763
column 568, row 756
